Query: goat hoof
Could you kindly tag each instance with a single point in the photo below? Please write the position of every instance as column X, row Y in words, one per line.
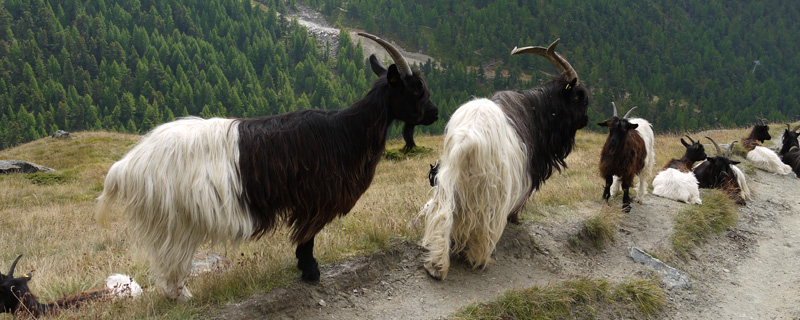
column 626, row 208
column 310, row 272
column 435, row 272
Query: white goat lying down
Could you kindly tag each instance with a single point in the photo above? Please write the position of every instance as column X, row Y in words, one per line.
column 677, row 181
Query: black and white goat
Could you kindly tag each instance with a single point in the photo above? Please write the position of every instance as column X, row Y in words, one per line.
column 720, row 172
column 627, row 153
column 762, row 157
column 195, row 181
column 16, row 297
column 677, row 181
column 790, row 151
column 496, row 153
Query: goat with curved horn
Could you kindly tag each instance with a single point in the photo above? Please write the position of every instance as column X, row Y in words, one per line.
column 13, row 266
column 402, row 64
column 627, row 153
column 563, row 66
column 512, row 142
column 720, row 172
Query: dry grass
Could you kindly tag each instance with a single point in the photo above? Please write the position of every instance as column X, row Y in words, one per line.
column 575, row 299
column 601, row 227
column 52, row 222
column 694, row 224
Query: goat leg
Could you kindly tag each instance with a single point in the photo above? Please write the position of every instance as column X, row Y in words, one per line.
column 607, row 189
column 626, row 197
column 306, row 262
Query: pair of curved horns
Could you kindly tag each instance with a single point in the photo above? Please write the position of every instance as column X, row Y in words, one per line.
column 760, row 121
column 13, row 265
column 792, row 130
column 719, row 150
column 626, row 114
column 690, row 139
column 563, row 66
column 402, row 64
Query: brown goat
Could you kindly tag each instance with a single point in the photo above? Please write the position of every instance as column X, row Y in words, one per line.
column 623, row 155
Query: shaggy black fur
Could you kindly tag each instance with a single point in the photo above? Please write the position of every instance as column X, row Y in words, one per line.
column 790, row 152
column 694, row 152
column 308, row 167
column 546, row 119
column 623, row 155
column 716, row 173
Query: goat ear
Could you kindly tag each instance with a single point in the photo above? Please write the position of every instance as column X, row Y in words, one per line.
column 632, row 126
column 735, row 162
column 376, row 66
column 571, row 84
column 394, row 77
column 603, row 124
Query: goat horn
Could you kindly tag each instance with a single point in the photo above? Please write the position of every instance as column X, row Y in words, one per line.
column 13, row 265
column 563, row 66
column 730, row 148
column 615, row 108
column 797, row 127
column 629, row 112
column 402, row 64
column 719, row 151
column 690, row 139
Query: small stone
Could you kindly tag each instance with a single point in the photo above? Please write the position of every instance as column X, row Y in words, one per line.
column 726, row 270
column 323, row 303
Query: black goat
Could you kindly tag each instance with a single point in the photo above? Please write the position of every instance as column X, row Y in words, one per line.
column 790, row 151
column 194, row 181
column 16, row 297
column 720, row 172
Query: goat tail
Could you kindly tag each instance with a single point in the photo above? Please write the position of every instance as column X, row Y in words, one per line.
column 104, row 208
column 482, row 179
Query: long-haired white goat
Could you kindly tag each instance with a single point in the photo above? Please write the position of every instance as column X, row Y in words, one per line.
column 496, row 153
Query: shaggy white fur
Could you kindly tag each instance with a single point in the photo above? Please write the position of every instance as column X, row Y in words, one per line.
column 767, row 160
column 482, row 178
column 645, row 130
column 179, row 188
column 676, row 185
column 742, row 180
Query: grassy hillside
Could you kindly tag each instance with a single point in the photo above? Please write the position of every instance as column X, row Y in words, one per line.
column 49, row 218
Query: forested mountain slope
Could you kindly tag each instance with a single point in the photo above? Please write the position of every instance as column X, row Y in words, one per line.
column 128, row 65
column 686, row 64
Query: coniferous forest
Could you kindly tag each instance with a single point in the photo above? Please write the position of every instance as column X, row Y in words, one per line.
column 129, row 65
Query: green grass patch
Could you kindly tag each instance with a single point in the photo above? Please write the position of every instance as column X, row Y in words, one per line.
column 398, row 154
column 716, row 214
column 50, row 178
column 574, row 299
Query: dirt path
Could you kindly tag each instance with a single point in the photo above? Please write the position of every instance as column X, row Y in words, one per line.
column 749, row 272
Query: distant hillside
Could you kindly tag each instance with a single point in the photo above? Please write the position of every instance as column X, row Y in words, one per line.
column 129, row 65
column 686, row 64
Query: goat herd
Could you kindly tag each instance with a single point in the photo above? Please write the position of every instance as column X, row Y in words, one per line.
column 223, row 181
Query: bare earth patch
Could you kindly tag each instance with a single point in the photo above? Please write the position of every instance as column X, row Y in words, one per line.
column 747, row 272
